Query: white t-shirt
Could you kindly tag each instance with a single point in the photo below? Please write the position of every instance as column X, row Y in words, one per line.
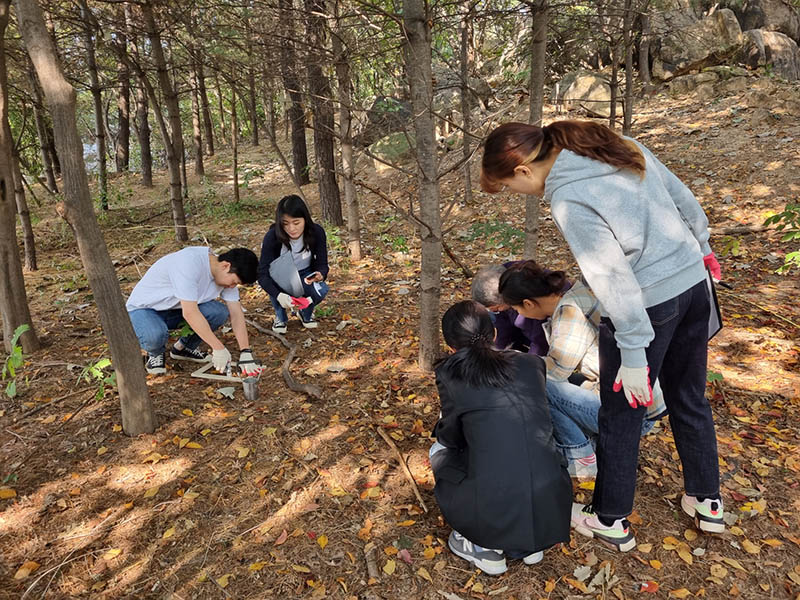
column 182, row 275
column 301, row 257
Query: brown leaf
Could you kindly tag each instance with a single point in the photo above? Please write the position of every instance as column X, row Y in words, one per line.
column 281, row 538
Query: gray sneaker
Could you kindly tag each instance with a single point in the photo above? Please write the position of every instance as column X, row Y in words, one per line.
column 491, row 562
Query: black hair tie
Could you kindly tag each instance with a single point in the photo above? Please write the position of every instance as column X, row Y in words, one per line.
column 475, row 338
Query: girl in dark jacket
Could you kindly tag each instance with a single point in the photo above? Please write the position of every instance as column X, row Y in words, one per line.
column 295, row 232
column 500, row 481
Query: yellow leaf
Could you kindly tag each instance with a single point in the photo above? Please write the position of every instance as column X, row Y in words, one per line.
column 429, row 553
column 477, row 587
column 718, row 571
column 188, row 412
column 151, row 492
column 423, row 572
column 737, row 530
column 680, row 593
column 644, row 548
column 773, row 542
column 322, row 541
column 301, row 569
column 153, row 457
column 732, row 562
column 48, row 420
column 223, row 581
column 685, row 555
column 242, row 452
column 586, row 485
column 269, row 430
column 101, row 450
column 6, row 493
column 115, row 428
column 190, row 495
column 656, row 564
column 389, row 567
column 193, row 445
column 670, row 541
column 690, row 534
column 26, row 569
column 390, row 551
column 112, row 553
column 168, row 533
column 182, row 442
column 750, row 547
column 204, row 433
column 406, row 523
column 256, row 566
column 550, row 585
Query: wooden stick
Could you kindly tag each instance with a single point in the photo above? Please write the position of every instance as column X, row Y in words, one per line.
column 372, row 565
column 403, row 466
column 33, row 411
column 309, row 389
column 764, row 308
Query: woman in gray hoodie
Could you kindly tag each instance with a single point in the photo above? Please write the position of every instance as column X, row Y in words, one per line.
column 640, row 239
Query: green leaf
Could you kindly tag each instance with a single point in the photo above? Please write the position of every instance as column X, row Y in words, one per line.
column 11, row 389
column 713, row 376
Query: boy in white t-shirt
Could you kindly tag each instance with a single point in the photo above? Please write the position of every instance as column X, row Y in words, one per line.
column 184, row 286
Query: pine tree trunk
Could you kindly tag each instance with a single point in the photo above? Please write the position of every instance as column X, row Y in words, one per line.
column 345, row 91
column 252, row 104
column 207, row 124
column 644, row 50
column 614, row 85
column 41, row 129
column 97, row 97
column 137, row 409
column 197, row 137
column 417, row 53
column 14, row 309
column 627, row 29
column 319, row 88
column 123, row 145
column 24, row 218
column 539, row 13
column 465, row 61
column 221, row 105
column 235, row 143
column 291, row 82
column 143, row 135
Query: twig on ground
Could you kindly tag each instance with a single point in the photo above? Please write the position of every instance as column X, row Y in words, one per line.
column 33, row 411
column 58, row 567
column 764, row 308
column 304, row 388
column 403, row 466
column 372, row 564
column 226, row 592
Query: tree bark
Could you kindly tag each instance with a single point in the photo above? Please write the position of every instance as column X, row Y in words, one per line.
column 345, row 91
column 252, row 104
column 235, row 142
column 137, row 410
column 201, row 86
column 614, row 85
column 627, row 32
column 319, row 89
column 291, row 83
column 539, row 14
column 123, row 145
column 97, row 97
column 197, row 137
column 221, row 104
column 24, row 218
column 143, row 135
column 644, row 50
column 14, row 309
column 174, row 140
column 466, row 112
column 417, row 53
column 41, row 129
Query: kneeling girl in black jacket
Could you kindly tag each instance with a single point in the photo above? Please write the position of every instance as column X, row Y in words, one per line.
column 500, row 481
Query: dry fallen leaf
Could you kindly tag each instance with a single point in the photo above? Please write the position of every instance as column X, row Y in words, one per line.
column 188, row 412
column 644, row 548
column 363, row 533
column 429, row 553
column 690, row 534
column 101, row 450
column 301, row 569
column 194, row 445
column 151, row 492
column 48, row 420
column 550, row 585
column 718, row 571
column 650, row 587
column 680, row 593
column 322, row 541
column 6, row 493
column 168, row 533
column 750, row 547
column 282, row 538
column 423, row 572
column 656, row 564
column 389, row 567
column 242, row 452
column 112, row 553
column 406, row 523
column 26, row 569
column 256, row 566
column 223, row 581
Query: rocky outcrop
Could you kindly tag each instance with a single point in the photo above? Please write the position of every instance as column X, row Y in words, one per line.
column 588, row 91
column 772, row 15
column 386, row 115
column 703, row 43
column 773, row 50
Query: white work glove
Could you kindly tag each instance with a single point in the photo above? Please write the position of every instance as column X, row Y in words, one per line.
column 248, row 365
column 285, row 300
column 220, row 359
column 636, row 383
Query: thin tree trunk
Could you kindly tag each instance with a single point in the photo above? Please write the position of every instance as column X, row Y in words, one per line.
column 235, row 142
column 614, row 84
column 221, row 105
column 252, row 104
column 175, row 138
column 207, row 124
column 268, row 98
column 137, row 409
column 539, row 14
column 14, row 309
column 123, row 145
column 466, row 112
column 197, row 138
column 291, row 82
column 24, row 218
column 627, row 108
column 417, row 51
column 143, row 135
column 97, row 97
column 345, row 90
column 644, row 50
column 319, row 88
column 41, row 129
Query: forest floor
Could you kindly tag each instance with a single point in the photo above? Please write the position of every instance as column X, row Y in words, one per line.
column 280, row 497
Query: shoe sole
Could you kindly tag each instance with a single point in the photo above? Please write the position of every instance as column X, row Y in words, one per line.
column 310, row 325
column 485, row 567
column 623, row 547
column 160, row 371
column 533, row 559
column 280, row 330
column 699, row 521
column 186, row 358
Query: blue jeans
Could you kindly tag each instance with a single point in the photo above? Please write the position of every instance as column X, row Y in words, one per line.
column 574, row 411
column 316, row 291
column 152, row 326
column 678, row 354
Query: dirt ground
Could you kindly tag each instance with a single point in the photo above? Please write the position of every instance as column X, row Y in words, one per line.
column 287, row 497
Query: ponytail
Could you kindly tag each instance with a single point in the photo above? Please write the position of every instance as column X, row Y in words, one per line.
column 468, row 329
column 513, row 144
column 528, row 281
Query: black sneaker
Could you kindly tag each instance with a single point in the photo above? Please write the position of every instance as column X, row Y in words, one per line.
column 193, row 355
column 279, row 326
column 155, row 364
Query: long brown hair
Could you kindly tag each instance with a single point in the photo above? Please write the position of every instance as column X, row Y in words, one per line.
column 513, row 144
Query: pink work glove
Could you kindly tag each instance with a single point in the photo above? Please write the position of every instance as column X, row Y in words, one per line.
column 711, row 263
column 301, row 303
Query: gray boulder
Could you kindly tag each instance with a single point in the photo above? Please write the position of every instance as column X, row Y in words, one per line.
column 386, row 115
column 701, row 44
column 772, row 15
column 588, row 91
column 771, row 48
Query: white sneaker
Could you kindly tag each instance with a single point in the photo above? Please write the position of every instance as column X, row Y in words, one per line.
column 583, row 468
column 707, row 514
column 491, row 562
column 617, row 535
column 279, row 326
column 534, row 558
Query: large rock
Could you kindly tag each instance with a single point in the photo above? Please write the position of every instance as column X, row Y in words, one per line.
column 386, row 115
column 395, row 148
column 704, row 43
column 773, row 50
column 588, row 91
column 772, row 15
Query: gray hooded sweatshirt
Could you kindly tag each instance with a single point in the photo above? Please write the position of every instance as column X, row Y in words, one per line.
column 638, row 241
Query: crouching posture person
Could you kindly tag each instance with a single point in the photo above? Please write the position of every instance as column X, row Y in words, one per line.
column 184, row 286
column 501, row 483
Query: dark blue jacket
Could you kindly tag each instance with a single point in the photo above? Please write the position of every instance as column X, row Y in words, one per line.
column 271, row 249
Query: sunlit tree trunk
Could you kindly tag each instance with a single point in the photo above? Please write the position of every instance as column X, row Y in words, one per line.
column 24, row 217
column 627, row 27
column 41, row 129
column 97, row 97
column 539, row 14
column 197, row 137
column 235, row 143
column 417, row 53
column 465, row 61
column 122, row 150
column 221, row 104
column 207, row 124
column 137, row 409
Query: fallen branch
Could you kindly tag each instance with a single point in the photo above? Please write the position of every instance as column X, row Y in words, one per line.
column 372, row 564
column 764, row 308
column 304, row 388
column 403, row 466
column 737, row 229
column 33, row 411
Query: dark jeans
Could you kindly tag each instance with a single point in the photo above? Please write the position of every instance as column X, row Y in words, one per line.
column 678, row 354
